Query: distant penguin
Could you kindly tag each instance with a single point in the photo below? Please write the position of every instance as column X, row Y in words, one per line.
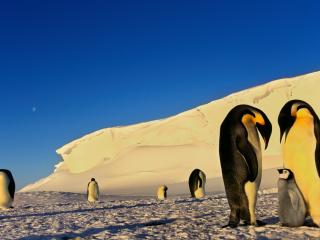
column 7, row 189
column 241, row 160
column 93, row 191
column 197, row 181
column 162, row 192
column 300, row 137
column 292, row 209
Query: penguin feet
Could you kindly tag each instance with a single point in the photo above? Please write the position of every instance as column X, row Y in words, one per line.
column 231, row 224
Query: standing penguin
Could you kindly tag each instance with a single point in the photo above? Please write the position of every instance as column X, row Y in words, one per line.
column 241, row 160
column 7, row 189
column 300, row 137
column 162, row 192
column 93, row 191
column 197, row 181
column 292, row 209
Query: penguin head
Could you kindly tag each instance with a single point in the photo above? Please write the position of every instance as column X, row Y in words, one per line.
column 263, row 125
column 92, row 179
column 289, row 112
column 285, row 173
column 260, row 119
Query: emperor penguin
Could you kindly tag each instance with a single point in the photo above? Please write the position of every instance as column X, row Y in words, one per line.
column 300, row 137
column 292, row 209
column 162, row 192
column 197, row 181
column 93, row 191
column 7, row 189
column 241, row 160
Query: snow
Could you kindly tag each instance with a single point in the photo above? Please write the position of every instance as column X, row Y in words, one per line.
column 130, row 163
column 59, row 215
column 136, row 159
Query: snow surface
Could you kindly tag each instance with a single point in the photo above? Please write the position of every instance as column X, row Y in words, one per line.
column 57, row 215
column 137, row 159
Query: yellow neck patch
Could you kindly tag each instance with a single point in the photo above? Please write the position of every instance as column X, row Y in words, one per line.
column 249, row 118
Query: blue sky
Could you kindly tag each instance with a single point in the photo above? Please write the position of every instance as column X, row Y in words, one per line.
column 68, row 68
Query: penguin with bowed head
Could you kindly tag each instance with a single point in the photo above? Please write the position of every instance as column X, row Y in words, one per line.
column 93, row 191
column 7, row 189
column 292, row 208
column 241, row 160
column 162, row 192
column 197, row 181
column 300, row 138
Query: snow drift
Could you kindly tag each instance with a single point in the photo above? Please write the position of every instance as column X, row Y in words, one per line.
column 137, row 159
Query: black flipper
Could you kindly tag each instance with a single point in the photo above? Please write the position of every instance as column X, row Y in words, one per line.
column 317, row 152
column 249, row 155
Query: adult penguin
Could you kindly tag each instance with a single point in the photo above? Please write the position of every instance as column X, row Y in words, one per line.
column 241, row 160
column 93, row 191
column 7, row 189
column 300, row 136
column 197, row 181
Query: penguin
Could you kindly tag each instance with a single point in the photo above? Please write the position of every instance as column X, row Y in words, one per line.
column 241, row 160
column 162, row 192
column 93, row 191
column 292, row 209
column 300, row 138
column 197, row 181
column 7, row 189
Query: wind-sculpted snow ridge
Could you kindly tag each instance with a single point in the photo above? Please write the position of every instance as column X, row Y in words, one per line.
column 57, row 215
column 137, row 159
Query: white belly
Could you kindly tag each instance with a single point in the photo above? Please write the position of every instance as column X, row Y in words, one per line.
column 199, row 193
column 5, row 198
column 251, row 188
column 161, row 193
column 93, row 192
column 299, row 157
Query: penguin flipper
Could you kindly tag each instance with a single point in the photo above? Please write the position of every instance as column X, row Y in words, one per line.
column 249, row 155
column 317, row 152
column 294, row 199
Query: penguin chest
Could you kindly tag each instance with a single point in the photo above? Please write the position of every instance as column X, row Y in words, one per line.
column 161, row 193
column 5, row 198
column 251, row 188
column 299, row 156
column 93, row 194
column 199, row 193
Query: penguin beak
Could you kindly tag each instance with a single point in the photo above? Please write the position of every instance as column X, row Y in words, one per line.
column 265, row 131
column 282, row 131
column 266, row 142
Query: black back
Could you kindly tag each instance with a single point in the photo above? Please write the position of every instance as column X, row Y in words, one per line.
column 12, row 185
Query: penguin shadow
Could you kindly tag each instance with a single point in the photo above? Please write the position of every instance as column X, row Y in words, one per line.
column 113, row 229
column 309, row 223
column 190, row 200
column 271, row 220
column 275, row 220
column 87, row 210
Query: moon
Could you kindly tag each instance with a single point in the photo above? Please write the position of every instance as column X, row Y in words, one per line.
column 34, row 109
